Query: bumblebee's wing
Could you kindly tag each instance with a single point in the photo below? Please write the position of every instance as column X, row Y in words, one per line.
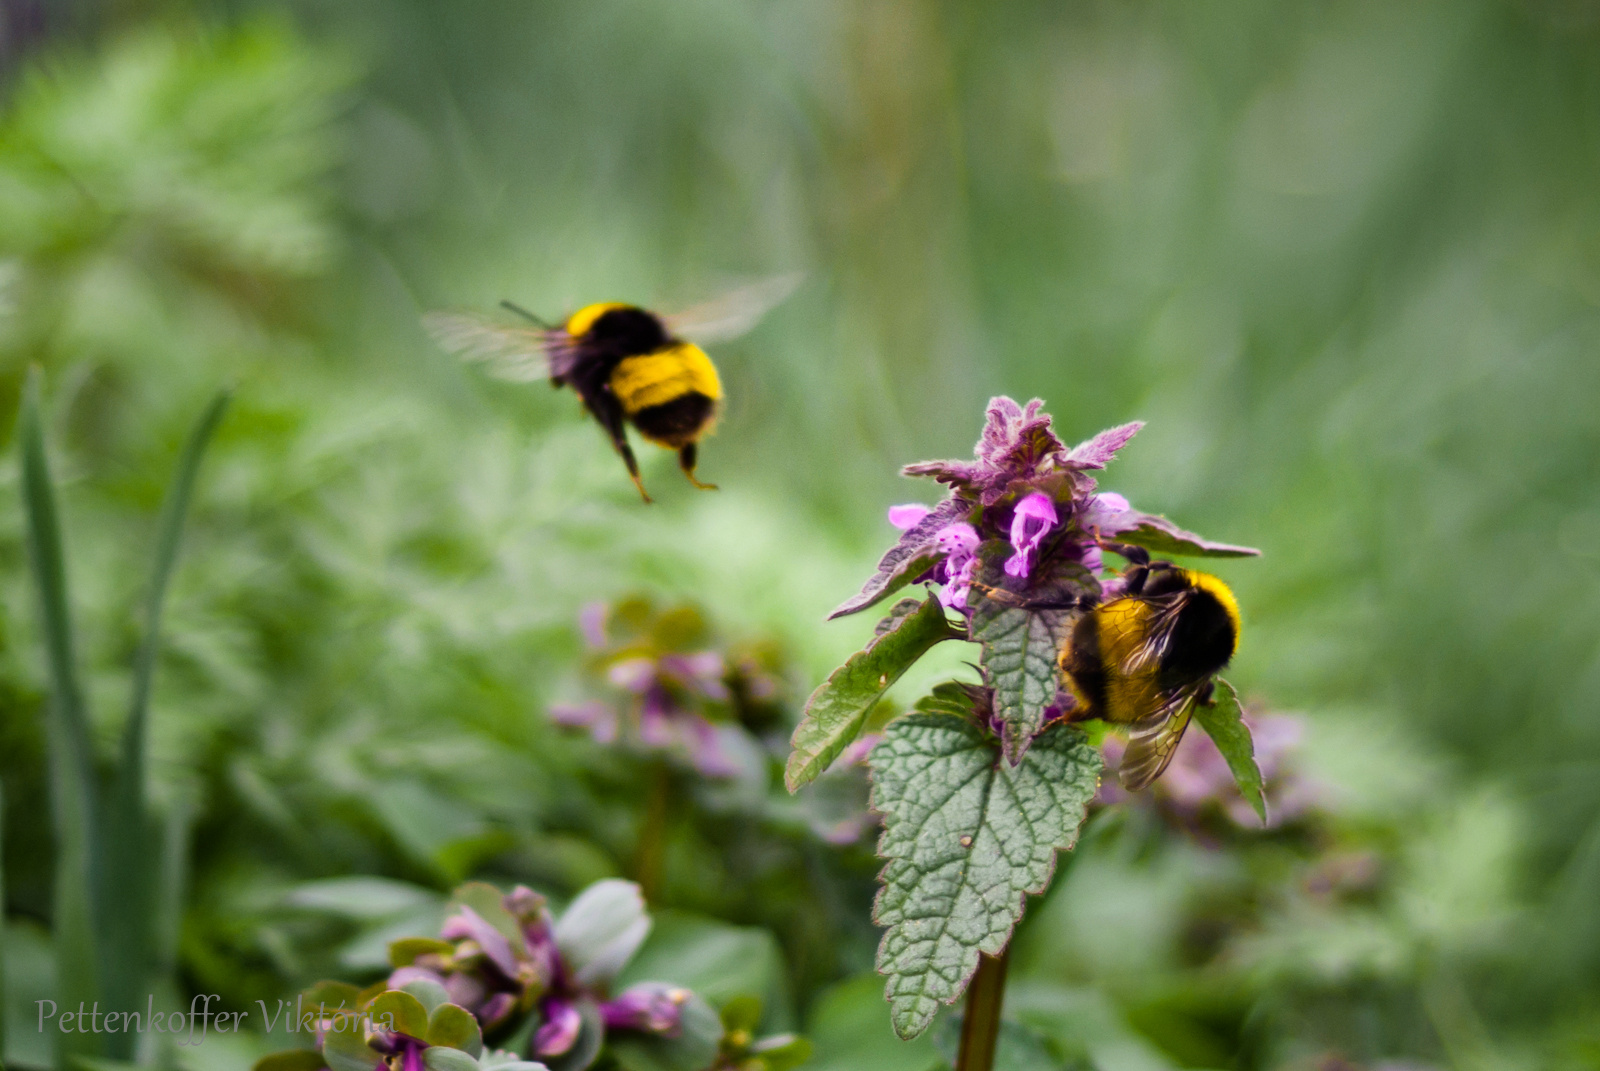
column 520, row 354
column 735, row 312
column 1153, row 740
column 1159, row 629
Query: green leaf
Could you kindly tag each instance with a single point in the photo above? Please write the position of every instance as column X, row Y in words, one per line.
column 1154, row 532
column 722, row 962
column 293, row 1060
column 74, row 784
column 966, row 837
column 849, row 1032
column 742, row 1013
column 431, row 995
column 782, row 1052
column 331, row 996
column 347, row 1049
column 397, row 1010
column 453, row 1025
column 505, row 1061
column 442, row 1059
column 692, row 1049
column 1223, row 722
column 361, row 898
column 404, row 952
column 953, row 697
column 489, row 903
column 1019, row 661
column 600, row 931
column 839, row 707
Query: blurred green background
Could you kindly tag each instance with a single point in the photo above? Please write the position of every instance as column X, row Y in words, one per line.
column 1343, row 256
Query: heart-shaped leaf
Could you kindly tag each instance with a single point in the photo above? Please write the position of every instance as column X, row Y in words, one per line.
column 967, row 837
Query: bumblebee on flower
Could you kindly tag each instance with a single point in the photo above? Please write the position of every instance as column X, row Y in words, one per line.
column 1025, row 528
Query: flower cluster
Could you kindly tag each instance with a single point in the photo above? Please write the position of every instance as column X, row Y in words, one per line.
column 504, row 957
column 674, row 695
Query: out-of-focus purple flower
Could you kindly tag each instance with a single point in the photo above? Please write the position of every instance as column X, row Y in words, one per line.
column 599, row 719
column 554, row 968
column 1035, row 516
column 485, row 972
column 403, row 1051
column 905, row 517
column 1103, row 510
column 678, row 701
column 634, row 675
column 1198, row 778
column 649, row 1008
column 560, row 1029
column 592, row 624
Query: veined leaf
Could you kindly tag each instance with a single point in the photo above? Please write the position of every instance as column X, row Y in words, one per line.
column 966, row 838
column 1223, row 721
column 914, row 554
column 1019, row 659
column 1154, row 532
column 839, row 707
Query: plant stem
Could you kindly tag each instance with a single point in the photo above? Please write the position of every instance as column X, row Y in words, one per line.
column 653, row 835
column 980, row 1027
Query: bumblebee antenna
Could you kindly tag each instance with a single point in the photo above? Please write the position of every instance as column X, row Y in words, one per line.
column 520, row 311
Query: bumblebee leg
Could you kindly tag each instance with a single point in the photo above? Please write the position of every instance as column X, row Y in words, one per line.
column 1135, row 555
column 608, row 411
column 1000, row 595
column 686, row 460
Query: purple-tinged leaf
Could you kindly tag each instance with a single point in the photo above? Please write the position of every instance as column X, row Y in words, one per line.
column 1096, row 453
column 908, row 559
column 1154, row 532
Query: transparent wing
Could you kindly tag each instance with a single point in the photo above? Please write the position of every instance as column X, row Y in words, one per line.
column 1159, row 630
column 520, row 354
column 735, row 312
column 1153, row 740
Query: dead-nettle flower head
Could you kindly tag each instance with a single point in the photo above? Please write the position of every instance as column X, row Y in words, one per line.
column 672, row 695
column 1024, row 491
column 1024, row 514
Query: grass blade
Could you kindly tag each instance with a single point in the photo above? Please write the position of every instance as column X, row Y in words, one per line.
column 132, row 875
column 74, row 782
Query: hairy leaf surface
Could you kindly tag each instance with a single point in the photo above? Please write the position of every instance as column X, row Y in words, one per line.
column 839, row 707
column 966, row 837
column 1223, row 722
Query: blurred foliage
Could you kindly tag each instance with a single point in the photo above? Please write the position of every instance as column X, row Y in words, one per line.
column 1344, row 257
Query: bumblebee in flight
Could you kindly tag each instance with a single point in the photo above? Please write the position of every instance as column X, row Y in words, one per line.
column 1144, row 658
column 628, row 364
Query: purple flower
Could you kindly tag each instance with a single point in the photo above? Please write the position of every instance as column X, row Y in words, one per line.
column 554, row 968
column 1035, row 516
column 905, row 517
column 408, row 1050
column 672, row 696
column 560, row 1029
column 959, row 543
column 649, row 1008
column 1198, row 779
